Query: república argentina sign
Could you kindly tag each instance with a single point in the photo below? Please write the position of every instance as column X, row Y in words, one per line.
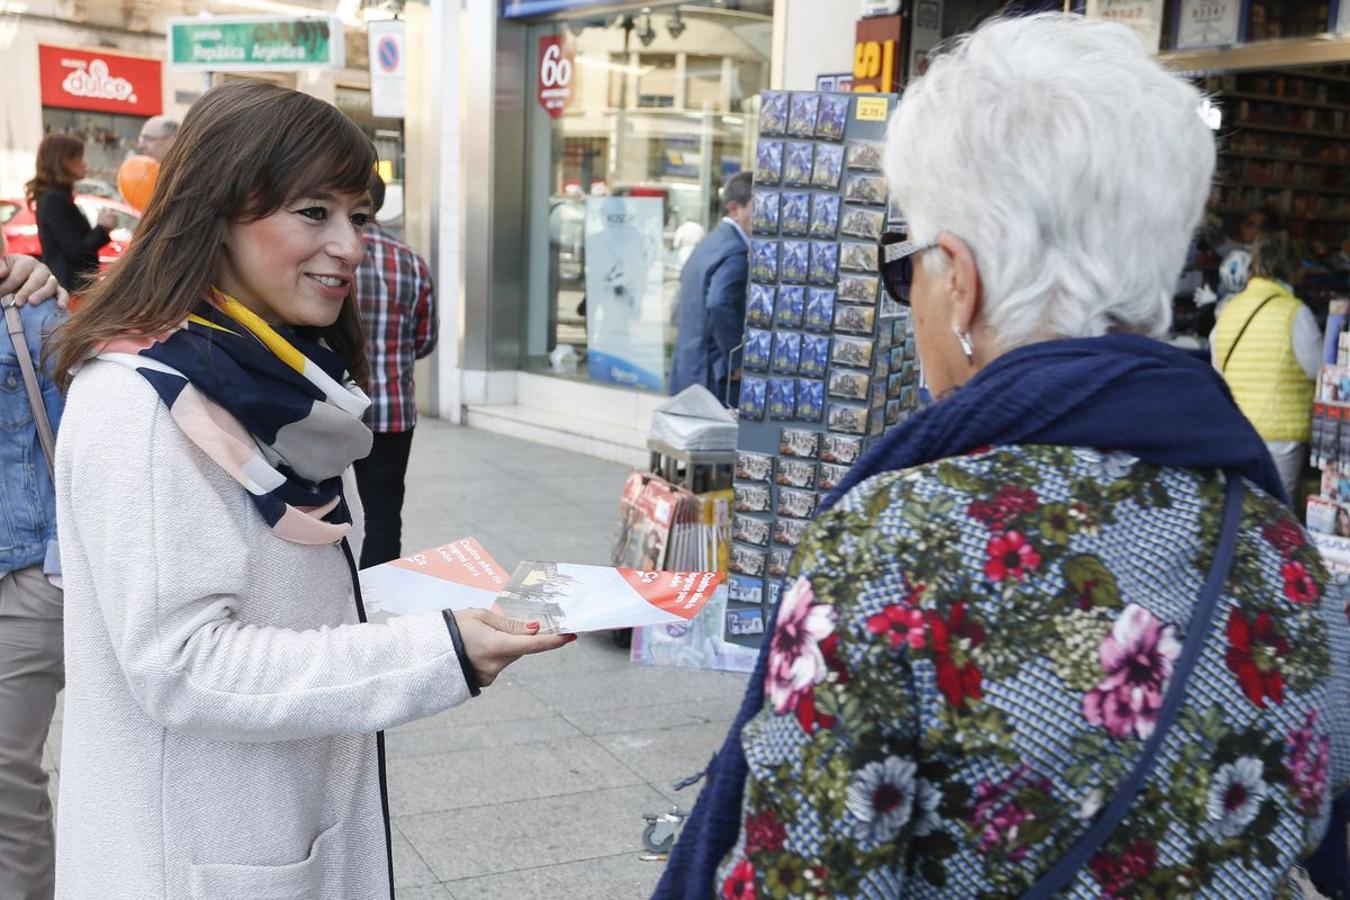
column 256, row 43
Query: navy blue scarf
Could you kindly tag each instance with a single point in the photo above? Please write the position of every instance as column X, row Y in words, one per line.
column 1119, row 392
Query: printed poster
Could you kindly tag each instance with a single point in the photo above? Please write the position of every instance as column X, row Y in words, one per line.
column 1143, row 16
column 1208, row 23
column 625, row 328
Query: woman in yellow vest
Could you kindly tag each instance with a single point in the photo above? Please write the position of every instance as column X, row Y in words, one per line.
column 1267, row 345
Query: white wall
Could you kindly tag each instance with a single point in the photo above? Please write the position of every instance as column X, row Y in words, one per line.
column 819, row 40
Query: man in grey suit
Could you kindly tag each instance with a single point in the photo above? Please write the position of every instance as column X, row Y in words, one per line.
column 712, row 298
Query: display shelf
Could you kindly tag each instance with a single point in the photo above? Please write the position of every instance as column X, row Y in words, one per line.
column 1242, row 210
column 1314, row 75
column 1286, row 129
column 1298, row 189
column 1293, row 101
column 1296, row 160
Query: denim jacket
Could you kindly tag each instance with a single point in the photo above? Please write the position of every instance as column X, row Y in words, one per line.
column 27, row 496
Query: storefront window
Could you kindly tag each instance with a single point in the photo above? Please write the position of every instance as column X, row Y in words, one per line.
column 623, row 183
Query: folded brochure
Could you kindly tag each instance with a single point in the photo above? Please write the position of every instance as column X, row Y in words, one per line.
column 562, row 597
column 566, row 598
column 457, row 575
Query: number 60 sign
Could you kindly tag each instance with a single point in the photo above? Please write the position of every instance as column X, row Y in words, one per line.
column 553, row 89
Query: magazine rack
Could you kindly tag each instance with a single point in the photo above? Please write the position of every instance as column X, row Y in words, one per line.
column 698, row 470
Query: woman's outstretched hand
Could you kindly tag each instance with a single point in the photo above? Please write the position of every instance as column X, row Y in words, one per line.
column 492, row 642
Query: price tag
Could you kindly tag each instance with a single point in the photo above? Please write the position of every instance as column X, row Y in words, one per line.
column 872, row 109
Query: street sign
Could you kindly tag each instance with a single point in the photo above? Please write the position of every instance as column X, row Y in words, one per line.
column 387, row 66
column 256, row 43
column 553, row 87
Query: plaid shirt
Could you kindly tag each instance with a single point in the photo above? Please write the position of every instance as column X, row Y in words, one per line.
column 398, row 306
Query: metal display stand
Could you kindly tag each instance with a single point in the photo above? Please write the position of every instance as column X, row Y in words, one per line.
column 698, row 470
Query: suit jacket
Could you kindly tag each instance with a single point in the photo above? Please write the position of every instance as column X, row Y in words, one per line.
column 712, row 312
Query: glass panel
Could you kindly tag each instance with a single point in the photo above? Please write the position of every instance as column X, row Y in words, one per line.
column 662, row 112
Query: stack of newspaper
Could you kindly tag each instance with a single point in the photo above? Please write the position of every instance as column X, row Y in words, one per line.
column 694, row 420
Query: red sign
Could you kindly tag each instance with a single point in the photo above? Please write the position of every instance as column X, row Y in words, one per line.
column 876, row 54
column 556, row 74
column 100, row 81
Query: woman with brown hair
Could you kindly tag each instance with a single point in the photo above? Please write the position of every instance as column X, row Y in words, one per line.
column 69, row 243
column 224, row 692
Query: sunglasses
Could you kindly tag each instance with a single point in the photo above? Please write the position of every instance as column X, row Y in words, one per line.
column 896, row 263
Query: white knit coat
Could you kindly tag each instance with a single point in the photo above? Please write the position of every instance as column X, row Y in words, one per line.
column 222, row 697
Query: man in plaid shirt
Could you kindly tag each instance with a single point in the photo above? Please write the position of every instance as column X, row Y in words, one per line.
column 398, row 305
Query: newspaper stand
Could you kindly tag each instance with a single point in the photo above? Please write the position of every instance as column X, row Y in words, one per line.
column 698, row 470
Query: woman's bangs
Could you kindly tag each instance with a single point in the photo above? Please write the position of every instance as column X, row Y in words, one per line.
column 339, row 163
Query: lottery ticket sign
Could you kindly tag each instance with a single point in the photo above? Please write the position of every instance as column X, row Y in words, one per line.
column 556, row 74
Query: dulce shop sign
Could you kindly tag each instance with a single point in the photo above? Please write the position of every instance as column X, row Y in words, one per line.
column 256, row 43
column 100, row 81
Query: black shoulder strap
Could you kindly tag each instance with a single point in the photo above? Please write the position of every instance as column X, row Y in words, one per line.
column 1086, row 847
column 1233, row 346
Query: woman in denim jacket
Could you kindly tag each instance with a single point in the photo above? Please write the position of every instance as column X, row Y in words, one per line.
column 30, row 604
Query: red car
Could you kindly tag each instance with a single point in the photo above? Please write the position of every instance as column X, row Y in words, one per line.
column 21, row 234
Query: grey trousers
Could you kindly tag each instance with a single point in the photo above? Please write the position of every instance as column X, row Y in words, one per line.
column 31, row 675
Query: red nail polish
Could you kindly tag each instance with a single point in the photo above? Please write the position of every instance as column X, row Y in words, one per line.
column 569, row 638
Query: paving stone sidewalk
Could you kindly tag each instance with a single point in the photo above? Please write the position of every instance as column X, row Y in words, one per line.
column 537, row 788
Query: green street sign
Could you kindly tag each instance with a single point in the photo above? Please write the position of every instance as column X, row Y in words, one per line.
column 256, row 43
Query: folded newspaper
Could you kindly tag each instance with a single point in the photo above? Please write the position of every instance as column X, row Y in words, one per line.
column 564, row 598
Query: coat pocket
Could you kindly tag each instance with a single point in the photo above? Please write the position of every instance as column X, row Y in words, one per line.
column 294, row 881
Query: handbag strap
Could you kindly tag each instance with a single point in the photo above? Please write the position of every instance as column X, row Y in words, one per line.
column 1233, row 346
column 1086, row 847
column 30, row 382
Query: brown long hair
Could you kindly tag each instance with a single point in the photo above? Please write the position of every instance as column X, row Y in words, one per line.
column 55, row 151
column 245, row 150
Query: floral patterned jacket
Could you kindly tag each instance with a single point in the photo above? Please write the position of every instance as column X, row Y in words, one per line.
column 973, row 652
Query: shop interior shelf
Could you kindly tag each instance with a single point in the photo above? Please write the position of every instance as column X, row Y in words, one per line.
column 1296, row 160
column 1315, row 75
column 1242, row 210
column 1293, row 101
column 1288, row 129
column 1296, row 188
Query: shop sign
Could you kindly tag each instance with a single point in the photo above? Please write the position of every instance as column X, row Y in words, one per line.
column 256, row 43
column 1143, row 16
column 557, row 70
column 1208, row 23
column 520, row 9
column 100, row 81
column 876, row 54
column 387, row 66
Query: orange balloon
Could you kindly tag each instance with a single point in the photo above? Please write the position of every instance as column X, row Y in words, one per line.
column 136, row 180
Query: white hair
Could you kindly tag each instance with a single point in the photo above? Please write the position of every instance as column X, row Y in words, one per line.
column 1073, row 165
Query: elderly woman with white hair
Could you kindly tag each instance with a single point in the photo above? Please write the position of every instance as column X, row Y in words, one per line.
column 1060, row 631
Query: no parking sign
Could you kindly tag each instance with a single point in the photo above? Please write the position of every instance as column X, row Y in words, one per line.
column 387, row 66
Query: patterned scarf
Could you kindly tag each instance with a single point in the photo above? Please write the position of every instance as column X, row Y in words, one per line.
column 279, row 413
